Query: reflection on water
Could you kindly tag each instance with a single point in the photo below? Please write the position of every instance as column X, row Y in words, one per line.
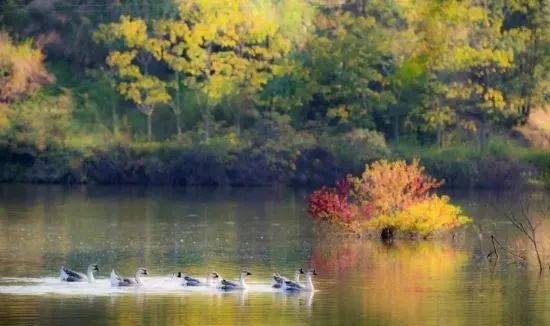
column 266, row 231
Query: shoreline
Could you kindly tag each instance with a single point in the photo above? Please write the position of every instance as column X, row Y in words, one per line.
column 198, row 166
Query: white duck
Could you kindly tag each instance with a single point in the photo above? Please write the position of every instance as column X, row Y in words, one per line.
column 190, row 281
column 68, row 275
column 117, row 280
column 241, row 285
column 279, row 281
column 291, row 286
column 213, row 279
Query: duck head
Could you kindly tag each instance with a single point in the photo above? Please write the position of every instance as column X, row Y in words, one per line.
column 142, row 271
column 92, row 268
column 245, row 273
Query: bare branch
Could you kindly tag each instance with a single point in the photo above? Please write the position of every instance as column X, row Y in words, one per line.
column 526, row 225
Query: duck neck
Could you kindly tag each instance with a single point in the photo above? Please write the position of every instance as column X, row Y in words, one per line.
column 90, row 274
column 242, row 283
column 309, row 283
column 137, row 276
column 211, row 280
column 297, row 277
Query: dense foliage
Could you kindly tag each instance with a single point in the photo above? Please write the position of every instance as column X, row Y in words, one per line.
column 388, row 197
column 293, row 81
column 22, row 70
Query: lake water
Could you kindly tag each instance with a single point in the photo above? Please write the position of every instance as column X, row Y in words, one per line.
column 360, row 281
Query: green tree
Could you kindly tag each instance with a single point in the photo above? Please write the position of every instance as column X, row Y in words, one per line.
column 435, row 112
column 463, row 49
column 526, row 26
column 349, row 68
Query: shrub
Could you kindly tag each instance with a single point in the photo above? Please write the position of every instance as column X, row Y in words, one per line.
column 497, row 173
column 331, row 205
column 542, row 163
column 387, row 197
column 316, row 166
column 56, row 167
column 42, row 121
column 387, row 187
column 423, row 218
column 356, row 148
column 22, row 70
column 462, row 173
column 250, row 168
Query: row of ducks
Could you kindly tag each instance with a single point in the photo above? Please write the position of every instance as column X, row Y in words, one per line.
column 212, row 279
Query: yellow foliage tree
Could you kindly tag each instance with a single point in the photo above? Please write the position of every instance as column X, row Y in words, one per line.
column 132, row 64
column 463, row 42
column 227, row 48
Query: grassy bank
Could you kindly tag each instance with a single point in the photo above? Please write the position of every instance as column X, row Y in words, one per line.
column 305, row 161
column 504, row 164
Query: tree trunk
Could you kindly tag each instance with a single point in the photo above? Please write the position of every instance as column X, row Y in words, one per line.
column 177, row 109
column 206, row 118
column 387, row 234
column 178, row 125
column 481, row 135
column 149, row 126
column 439, row 136
column 238, row 122
column 115, row 117
column 396, row 128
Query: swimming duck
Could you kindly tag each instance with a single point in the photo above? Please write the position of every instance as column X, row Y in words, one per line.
column 116, row 280
column 190, row 281
column 227, row 285
column 279, row 281
column 212, row 279
column 67, row 275
column 292, row 286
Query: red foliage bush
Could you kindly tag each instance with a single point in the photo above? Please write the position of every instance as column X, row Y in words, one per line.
column 332, row 205
column 379, row 199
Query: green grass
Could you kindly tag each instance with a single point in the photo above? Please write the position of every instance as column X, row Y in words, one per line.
column 498, row 147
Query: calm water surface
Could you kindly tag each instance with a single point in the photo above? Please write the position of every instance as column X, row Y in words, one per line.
column 444, row 282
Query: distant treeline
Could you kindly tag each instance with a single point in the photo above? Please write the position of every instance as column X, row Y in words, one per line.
column 269, row 82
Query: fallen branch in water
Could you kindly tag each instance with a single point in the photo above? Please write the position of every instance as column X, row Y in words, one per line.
column 523, row 222
column 495, row 242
